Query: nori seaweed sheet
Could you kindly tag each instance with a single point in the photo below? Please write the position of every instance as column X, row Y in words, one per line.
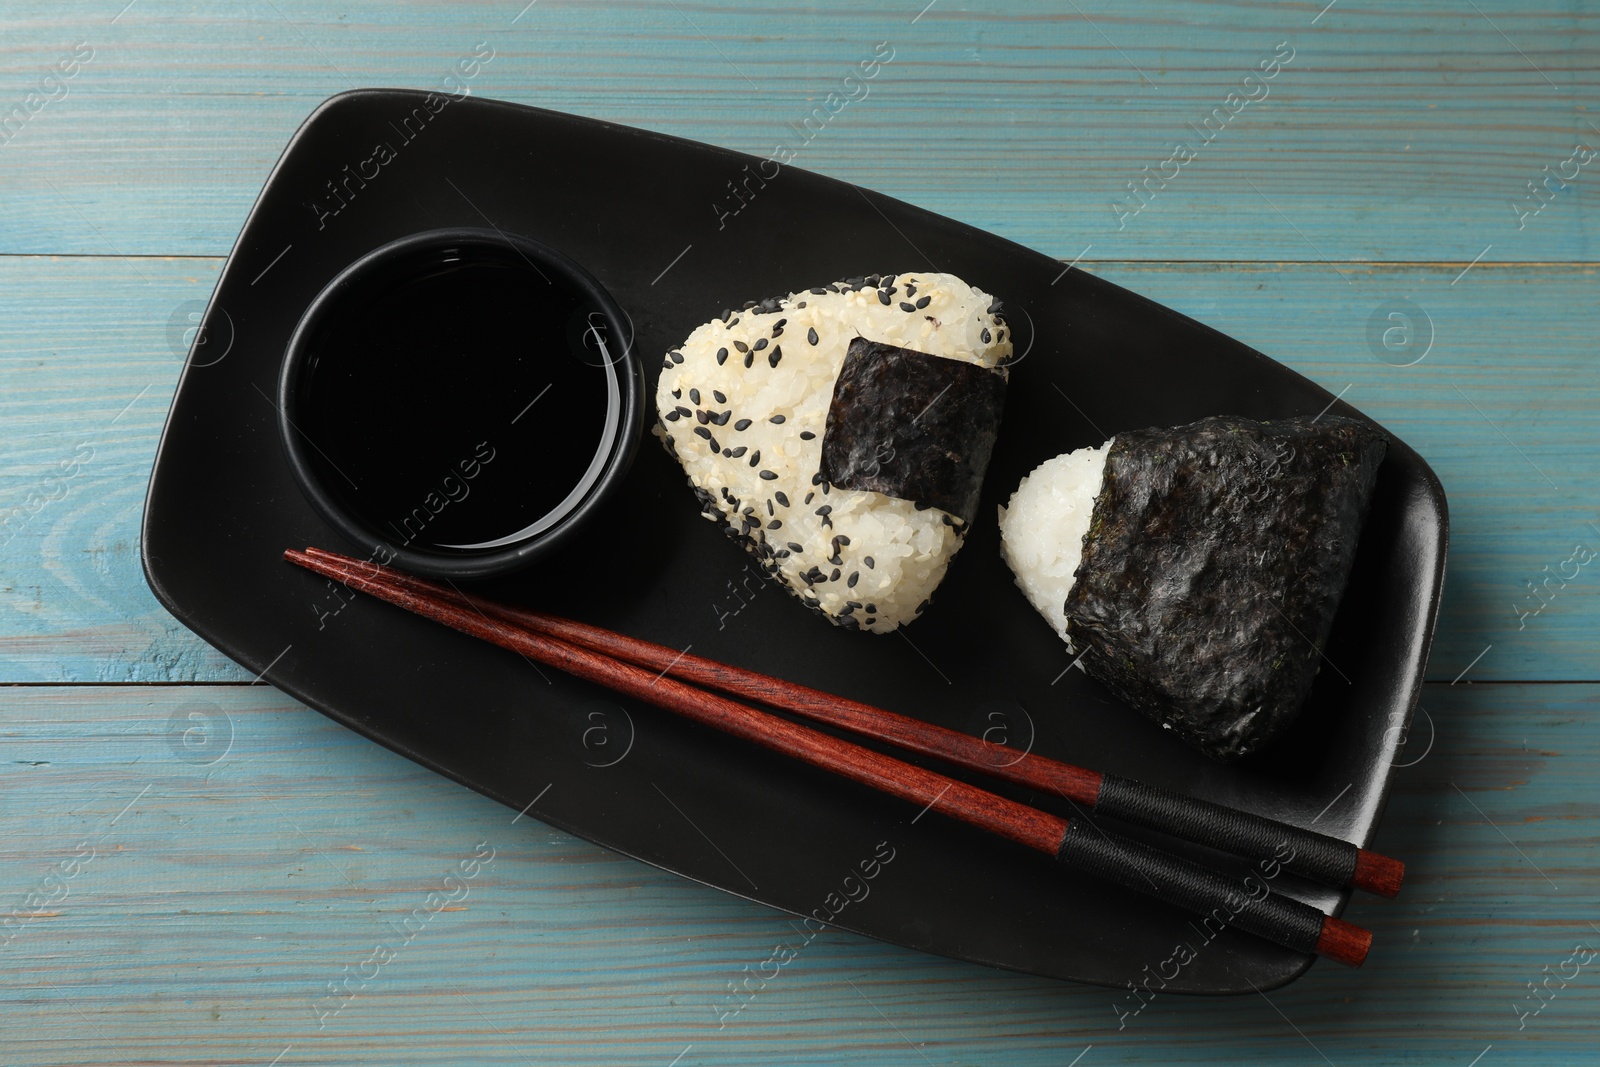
column 912, row 426
column 1216, row 556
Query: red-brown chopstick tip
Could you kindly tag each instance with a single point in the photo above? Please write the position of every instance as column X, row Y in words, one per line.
column 1345, row 942
column 1378, row 874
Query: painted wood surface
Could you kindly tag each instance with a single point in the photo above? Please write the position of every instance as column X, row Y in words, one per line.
column 1396, row 132
column 247, row 854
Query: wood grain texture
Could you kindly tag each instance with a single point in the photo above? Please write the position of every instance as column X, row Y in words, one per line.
column 268, row 852
column 1395, row 132
column 1505, row 398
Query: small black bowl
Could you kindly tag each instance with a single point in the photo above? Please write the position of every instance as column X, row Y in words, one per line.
column 458, row 402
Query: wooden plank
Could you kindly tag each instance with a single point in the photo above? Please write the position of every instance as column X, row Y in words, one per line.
column 1394, row 133
column 246, row 853
column 1504, row 398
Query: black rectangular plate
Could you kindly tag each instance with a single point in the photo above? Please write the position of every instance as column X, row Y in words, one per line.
column 627, row 203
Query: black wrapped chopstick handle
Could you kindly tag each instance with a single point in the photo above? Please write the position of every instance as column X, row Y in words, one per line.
column 1244, row 903
column 1305, row 852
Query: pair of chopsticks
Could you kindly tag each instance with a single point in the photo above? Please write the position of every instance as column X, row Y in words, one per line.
column 671, row 680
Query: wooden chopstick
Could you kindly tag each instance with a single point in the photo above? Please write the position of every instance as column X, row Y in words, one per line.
column 1319, row 857
column 1130, row 864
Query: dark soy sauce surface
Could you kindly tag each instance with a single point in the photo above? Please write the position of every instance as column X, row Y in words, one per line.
column 449, row 402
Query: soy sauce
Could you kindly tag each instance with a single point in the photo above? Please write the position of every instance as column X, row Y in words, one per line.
column 461, row 399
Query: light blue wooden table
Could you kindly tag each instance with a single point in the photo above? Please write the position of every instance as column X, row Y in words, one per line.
column 196, row 870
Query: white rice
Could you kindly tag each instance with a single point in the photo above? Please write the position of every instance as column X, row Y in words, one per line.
column 1043, row 526
column 867, row 560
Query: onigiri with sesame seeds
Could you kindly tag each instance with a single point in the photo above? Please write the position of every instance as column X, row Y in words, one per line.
column 841, row 433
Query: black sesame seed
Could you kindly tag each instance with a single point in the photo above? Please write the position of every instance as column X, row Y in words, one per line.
column 908, row 307
column 759, row 345
column 721, row 420
column 718, row 394
column 870, row 562
column 834, row 577
column 810, row 497
column 722, row 356
column 921, row 607
column 819, row 292
column 801, row 304
column 677, row 394
column 872, row 609
column 811, row 335
column 769, row 476
column 883, row 297
column 778, row 326
column 714, row 446
column 873, row 279
column 807, row 435
column 734, row 322
column 994, row 309
column 738, row 453
column 755, row 457
column 703, row 432
column 775, row 355
column 793, row 547
column 702, row 416
column 673, row 416
column 749, row 359
column 842, row 539
column 727, row 453
column 676, row 357
column 775, row 524
column 816, row 479
column 923, row 302
column 999, row 335
column 983, row 335
column 826, row 509
column 742, row 424
column 777, row 420
column 781, row 498
column 871, row 620
column 741, row 346
column 694, row 396
column 911, row 289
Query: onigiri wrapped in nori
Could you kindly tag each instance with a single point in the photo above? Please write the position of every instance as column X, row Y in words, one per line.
column 1197, row 570
column 840, row 434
